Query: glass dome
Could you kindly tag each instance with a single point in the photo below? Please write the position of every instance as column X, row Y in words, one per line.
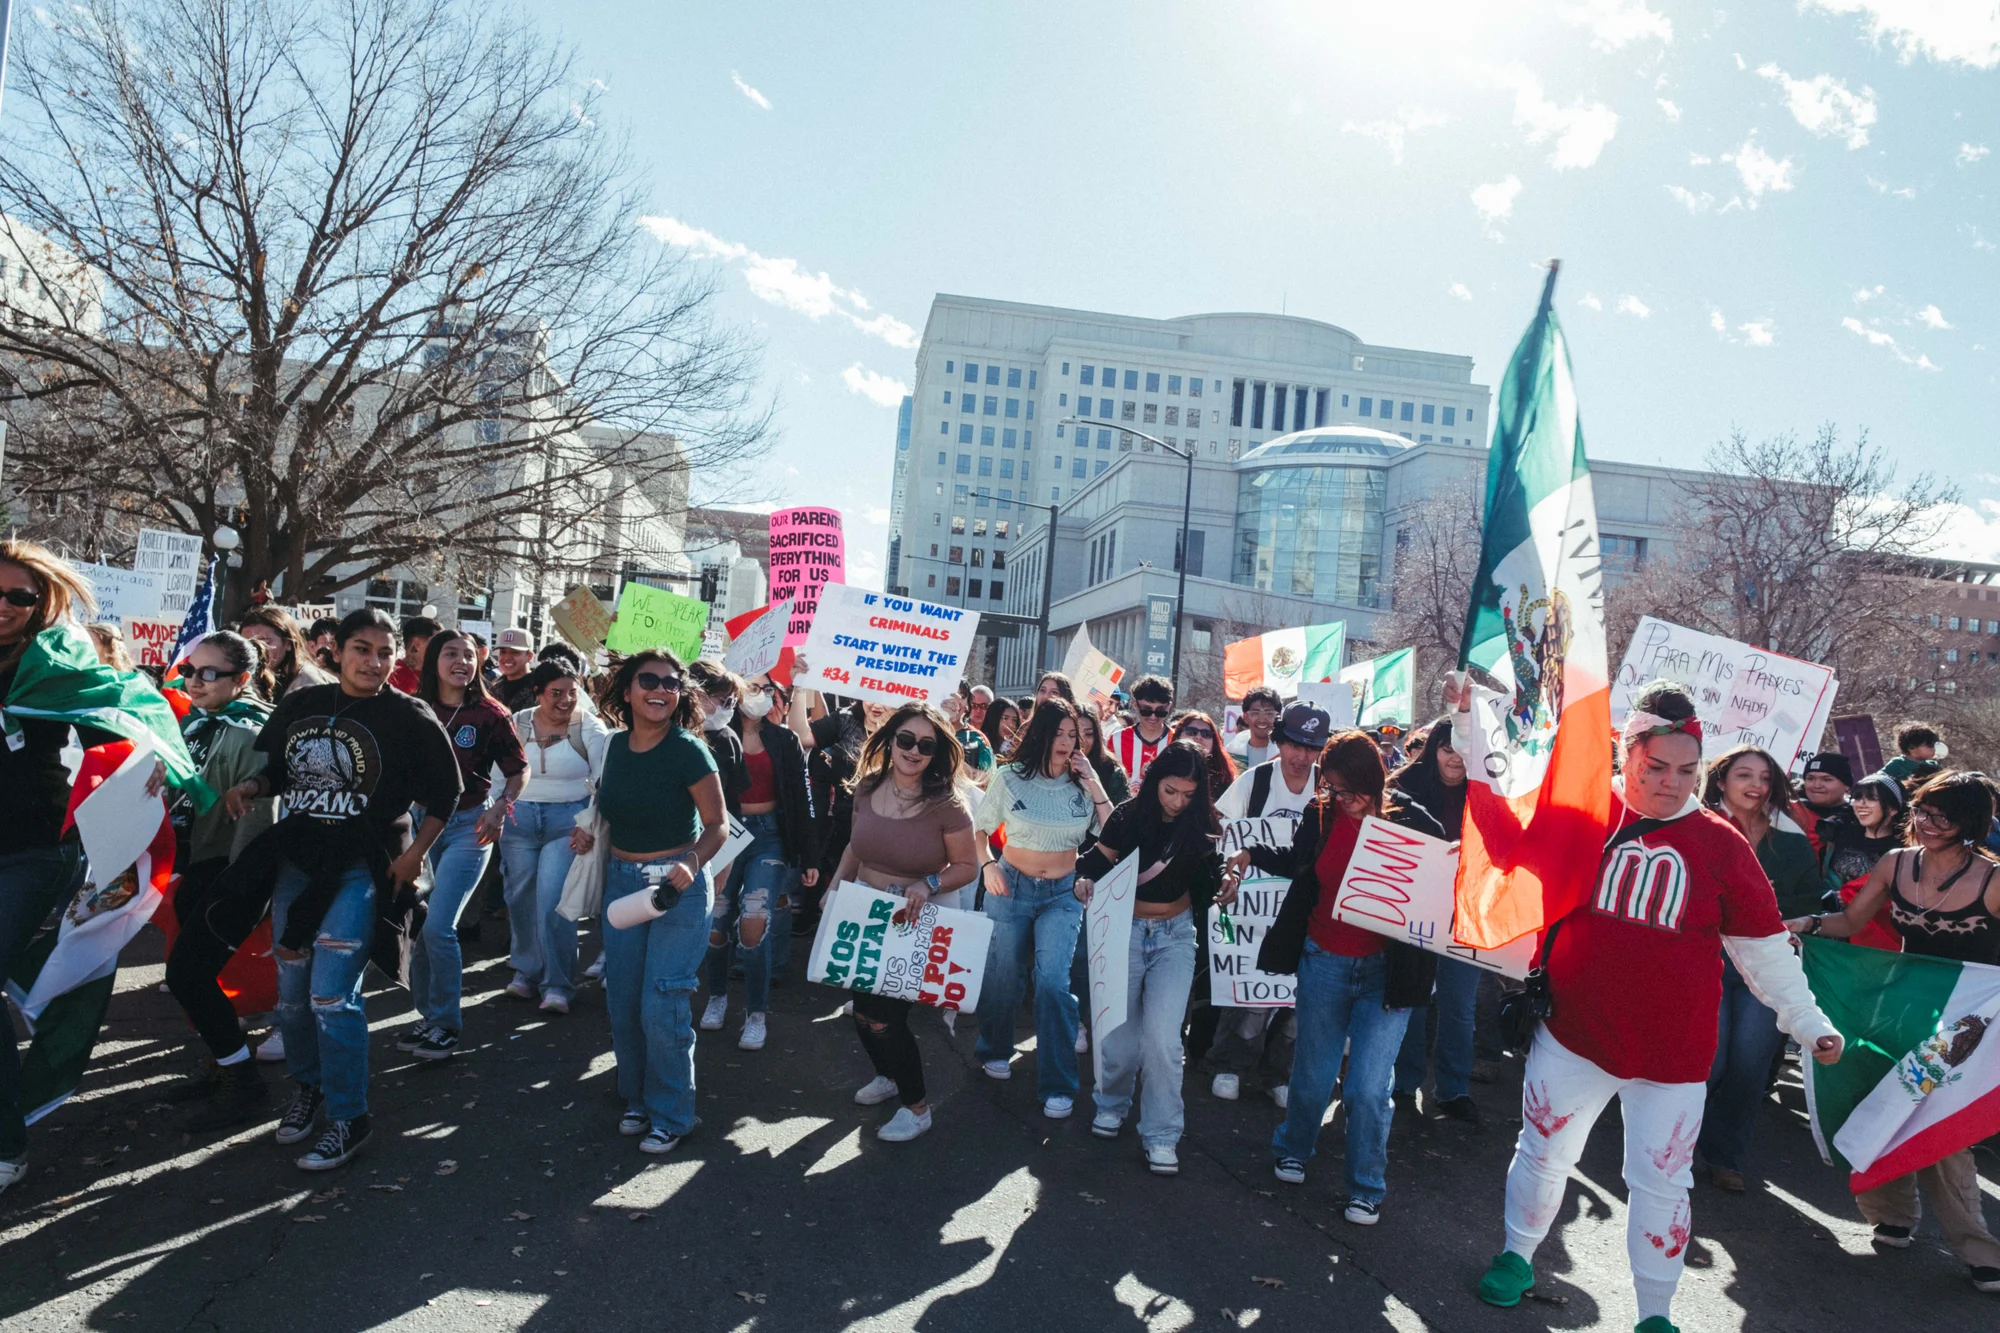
column 1309, row 514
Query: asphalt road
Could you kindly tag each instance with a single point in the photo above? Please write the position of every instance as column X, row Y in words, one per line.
column 496, row 1194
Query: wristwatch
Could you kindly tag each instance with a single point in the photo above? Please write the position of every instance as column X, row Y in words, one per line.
column 936, row 884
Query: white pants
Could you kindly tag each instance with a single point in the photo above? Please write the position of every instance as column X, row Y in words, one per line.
column 1562, row 1094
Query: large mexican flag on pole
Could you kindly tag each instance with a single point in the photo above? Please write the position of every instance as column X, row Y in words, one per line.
column 1538, row 805
column 1283, row 658
column 1920, row 1078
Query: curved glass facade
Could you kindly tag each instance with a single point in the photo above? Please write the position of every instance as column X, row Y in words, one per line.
column 1309, row 515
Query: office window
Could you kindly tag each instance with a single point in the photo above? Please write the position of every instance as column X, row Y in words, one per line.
column 978, row 560
column 944, row 428
column 1173, row 415
column 1110, row 380
column 1102, row 464
column 930, row 581
column 971, row 373
column 1152, row 381
column 1033, row 375
column 1299, row 408
column 1319, row 406
column 1007, row 438
column 1152, row 414
column 1059, row 463
column 993, row 590
column 1086, row 374
column 1173, row 384
column 958, row 493
column 1131, row 408
column 1468, row 416
column 1367, row 407
column 936, row 518
column 1000, row 557
column 1409, row 410
column 1951, row 654
column 1013, row 407
column 972, row 588
column 1055, row 495
column 979, row 527
column 957, row 556
column 949, row 368
column 1000, row 531
column 1430, row 414
column 1257, row 405
column 1013, row 377
column 1104, row 439
column 951, row 586
column 968, row 402
column 1062, row 400
column 1343, row 400
column 940, row 458
column 1125, row 442
column 1451, row 416
column 986, row 436
column 947, row 395
column 984, row 498
column 1065, row 369
column 1007, row 467
column 1131, row 379
column 1277, row 409
column 990, row 408
column 993, row 375
column 964, row 464
column 986, row 465
column 1423, row 439
column 1951, row 622
column 1031, row 409
column 964, row 434
column 1081, row 467
column 1059, row 432
column 1194, row 386
column 1197, row 546
column 934, row 550
column 1027, row 442
column 1236, row 403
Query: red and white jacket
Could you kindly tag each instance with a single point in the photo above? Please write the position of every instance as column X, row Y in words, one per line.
column 1134, row 753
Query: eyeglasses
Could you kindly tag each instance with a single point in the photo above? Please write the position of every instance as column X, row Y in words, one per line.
column 1156, row 710
column 20, row 597
column 923, row 745
column 1930, row 818
column 207, row 675
column 1348, row 797
column 1197, row 734
column 647, row 680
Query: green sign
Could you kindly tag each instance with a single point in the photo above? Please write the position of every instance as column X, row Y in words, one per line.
column 651, row 617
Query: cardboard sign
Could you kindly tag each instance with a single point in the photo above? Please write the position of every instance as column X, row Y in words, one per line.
column 808, row 551
column 151, row 640
column 756, row 649
column 483, row 628
column 1107, row 928
column 1094, row 675
column 938, row 960
column 1860, row 742
column 650, row 617
column 176, row 558
column 896, row 649
column 582, row 619
column 1400, row 883
column 1235, row 933
column 123, row 592
column 1743, row 695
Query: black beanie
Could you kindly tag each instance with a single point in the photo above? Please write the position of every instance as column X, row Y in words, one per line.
column 1834, row 764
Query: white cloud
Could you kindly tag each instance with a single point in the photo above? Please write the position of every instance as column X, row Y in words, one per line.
column 1669, row 108
column 877, row 388
column 1495, row 201
column 783, row 282
column 1893, row 191
column 1826, row 106
column 1460, row 290
column 1932, row 318
column 1691, row 201
column 1614, row 23
column 1759, row 332
column 864, row 568
column 1393, row 132
column 1717, row 322
column 1964, row 32
column 1589, row 301
column 876, row 514
column 748, row 91
column 1629, row 304
column 1969, row 153
column 1760, row 172
column 1883, row 339
column 1699, row 159
column 1971, row 532
column 1580, row 131
column 1869, row 293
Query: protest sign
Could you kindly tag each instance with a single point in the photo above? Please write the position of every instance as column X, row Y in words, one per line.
column 1333, row 697
column 123, row 592
column 938, row 960
column 1860, row 742
column 650, row 617
column 781, row 670
column 1107, row 928
column 808, row 551
column 483, row 628
column 1743, row 695
column 151, row 640
column 1237, row 932
column 732, row 847
column 118, row 820
column 896, row 649
column 1401, row 884
column 176, row 558
column 756, row 649
column 582, row 619
column 1093, row 675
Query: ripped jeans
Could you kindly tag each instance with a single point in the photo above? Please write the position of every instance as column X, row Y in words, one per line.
column 320, row 1013
column 756, row 882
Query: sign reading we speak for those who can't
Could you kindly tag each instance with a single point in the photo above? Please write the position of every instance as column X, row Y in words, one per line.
column 896, row 649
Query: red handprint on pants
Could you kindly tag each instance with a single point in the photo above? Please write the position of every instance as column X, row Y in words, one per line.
column 1678, row 1232
column 1536, row 1110
column 1679, row 1151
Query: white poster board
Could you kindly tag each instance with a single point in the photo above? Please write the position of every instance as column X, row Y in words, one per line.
column 756, row 649
column 1235, row 934
column 873, row 646
column 123, row 593
column 176, row 558
column 732, row 847
column 939, row 960
column 1334, row 697
column 1107, row 924
column 1743, row 695
column 1093, row 675
column 118, row 820
column 1399, row 883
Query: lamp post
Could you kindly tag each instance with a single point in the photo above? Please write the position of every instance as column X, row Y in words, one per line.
column 1048, row 585
column 1187, row 513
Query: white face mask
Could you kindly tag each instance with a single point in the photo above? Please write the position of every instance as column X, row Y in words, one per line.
column 718, row 718
column 755, row 706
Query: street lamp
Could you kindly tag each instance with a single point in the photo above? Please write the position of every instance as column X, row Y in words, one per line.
column 1042, row 662
column 1187, row 513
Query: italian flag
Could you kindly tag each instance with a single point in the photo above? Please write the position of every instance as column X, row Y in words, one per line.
column 1920, row 1078
column 1538, row 805
column 1283, row 658
column 1388, row 688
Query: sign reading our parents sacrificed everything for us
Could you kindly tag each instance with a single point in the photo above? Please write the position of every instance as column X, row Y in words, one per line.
column 937, row 960
column 895, row 649
column 1400, row 883
column 808, row 551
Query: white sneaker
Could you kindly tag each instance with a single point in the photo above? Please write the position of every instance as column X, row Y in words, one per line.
column 1106, row 1125
column 999, row 1069
column 596, row 970
column 1226, row 1086
column 555, row 1003
column 876, row 1091
column 1161, row 1159
column 1282, row 1095
column 1083, row 1041
column 753, row 1034
column 1362, row 1214
column 13, row 1171
column 272, row 1049
column 1058, row 1108
column 711, row 1017
column 904, row 1126
column 520, row 988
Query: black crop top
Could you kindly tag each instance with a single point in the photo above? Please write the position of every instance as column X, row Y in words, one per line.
column 1193, row 872
column 1968, row 934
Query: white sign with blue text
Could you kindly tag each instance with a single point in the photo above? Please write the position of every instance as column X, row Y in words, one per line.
column 896, row 649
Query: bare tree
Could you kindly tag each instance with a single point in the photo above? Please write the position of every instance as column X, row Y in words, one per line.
column 1437, row 556
column 351, row 275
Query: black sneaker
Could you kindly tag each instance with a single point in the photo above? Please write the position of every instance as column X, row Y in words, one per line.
column 1459, row 1108
column 438, row 1044
column 658, row 1142
column 1894, row 1237
column 240, row 1097
column 343, row 1139
column 414, row 1037
column 199, row 1084
column 1986, row 1279
column 1405, row 1102
column 297, row 1122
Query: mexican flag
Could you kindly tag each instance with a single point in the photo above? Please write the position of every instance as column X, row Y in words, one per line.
column 1283, row 658
column 1388, row 688
column 1538, row 806
column 1920, row 1078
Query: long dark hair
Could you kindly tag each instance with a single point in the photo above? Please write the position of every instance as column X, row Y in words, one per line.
column 1031, row 751
column 1718, row 771
column 245, row 654
column 1356, row 758
column 1180, row 759
column 1423, row 766
column 940, row 774
column 611, row 700
column 1965, row 799
column 1221, row 768
column 990, row 724
column 280, row 623
column 1095, row 751
column 427, row 679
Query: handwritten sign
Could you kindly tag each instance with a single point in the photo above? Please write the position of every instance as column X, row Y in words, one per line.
column 1094, row 675
column 896, row 649
column 732, row 847
column 937, row 960
column 650, row 617
column 582, row 619
column 756, row 649
column 1236, row 933
column 176, row 558
column 1743, row 695
column 151, row 640
column 1400, row 883
column 123, row 592
column 808, row 551
column 1107, row 928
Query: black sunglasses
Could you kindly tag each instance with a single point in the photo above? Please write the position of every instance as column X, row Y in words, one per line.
column 909, row 740
column 20, row 597
column 647, row 680
column 1160, row 710
column 1193, row 733
column 208, row 675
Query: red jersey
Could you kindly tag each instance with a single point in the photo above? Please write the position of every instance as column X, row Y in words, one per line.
column 1133, row 752
column 403, row 678
column 1338, row 936
column 1636, row 971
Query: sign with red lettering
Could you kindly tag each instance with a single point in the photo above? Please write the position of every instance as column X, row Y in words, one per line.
column 808, row 551
column 150, row 640
column 1399, row 883
column 896, row 649
column 937, row 959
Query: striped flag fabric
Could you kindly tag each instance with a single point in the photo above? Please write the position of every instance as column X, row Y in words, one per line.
column 200, row 619
column 1920, row 1077
column 1388, row 688
column 1283, row 658
column 1538, row 754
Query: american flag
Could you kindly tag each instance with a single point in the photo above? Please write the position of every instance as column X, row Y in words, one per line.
column 200, row 617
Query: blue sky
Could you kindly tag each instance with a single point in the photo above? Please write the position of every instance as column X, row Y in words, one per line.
column 1770, row 216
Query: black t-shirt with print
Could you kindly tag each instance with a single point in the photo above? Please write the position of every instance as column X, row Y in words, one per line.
column 334, row 756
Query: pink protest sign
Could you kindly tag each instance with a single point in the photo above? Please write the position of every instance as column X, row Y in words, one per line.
column 808, row 551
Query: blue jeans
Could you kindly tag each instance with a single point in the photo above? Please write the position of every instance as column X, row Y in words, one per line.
column 1456, row 1002
column 649, row 975
column 758, row 879
column 32, row 883
column 320, row 1013
column 1159, row 972
column 1340, row 1002
column 1747, row 1041
column 534, row 860
column 437, row 967
column 1037, row 922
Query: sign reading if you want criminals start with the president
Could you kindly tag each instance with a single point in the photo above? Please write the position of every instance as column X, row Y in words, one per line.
column 896, row 649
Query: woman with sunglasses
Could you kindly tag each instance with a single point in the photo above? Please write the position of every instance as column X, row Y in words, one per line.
column 1943, row 896
column 1172, row 825
column 1200, row 729
column 912, row 837
column 662, row 809
column 1046, row 799
column 482, row 739
column 286, row 654
column 1090, row 741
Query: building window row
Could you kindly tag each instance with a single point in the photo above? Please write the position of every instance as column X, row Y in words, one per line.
column 1153, row 380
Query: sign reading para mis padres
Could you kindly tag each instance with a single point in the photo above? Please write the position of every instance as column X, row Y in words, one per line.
column 896, row 649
